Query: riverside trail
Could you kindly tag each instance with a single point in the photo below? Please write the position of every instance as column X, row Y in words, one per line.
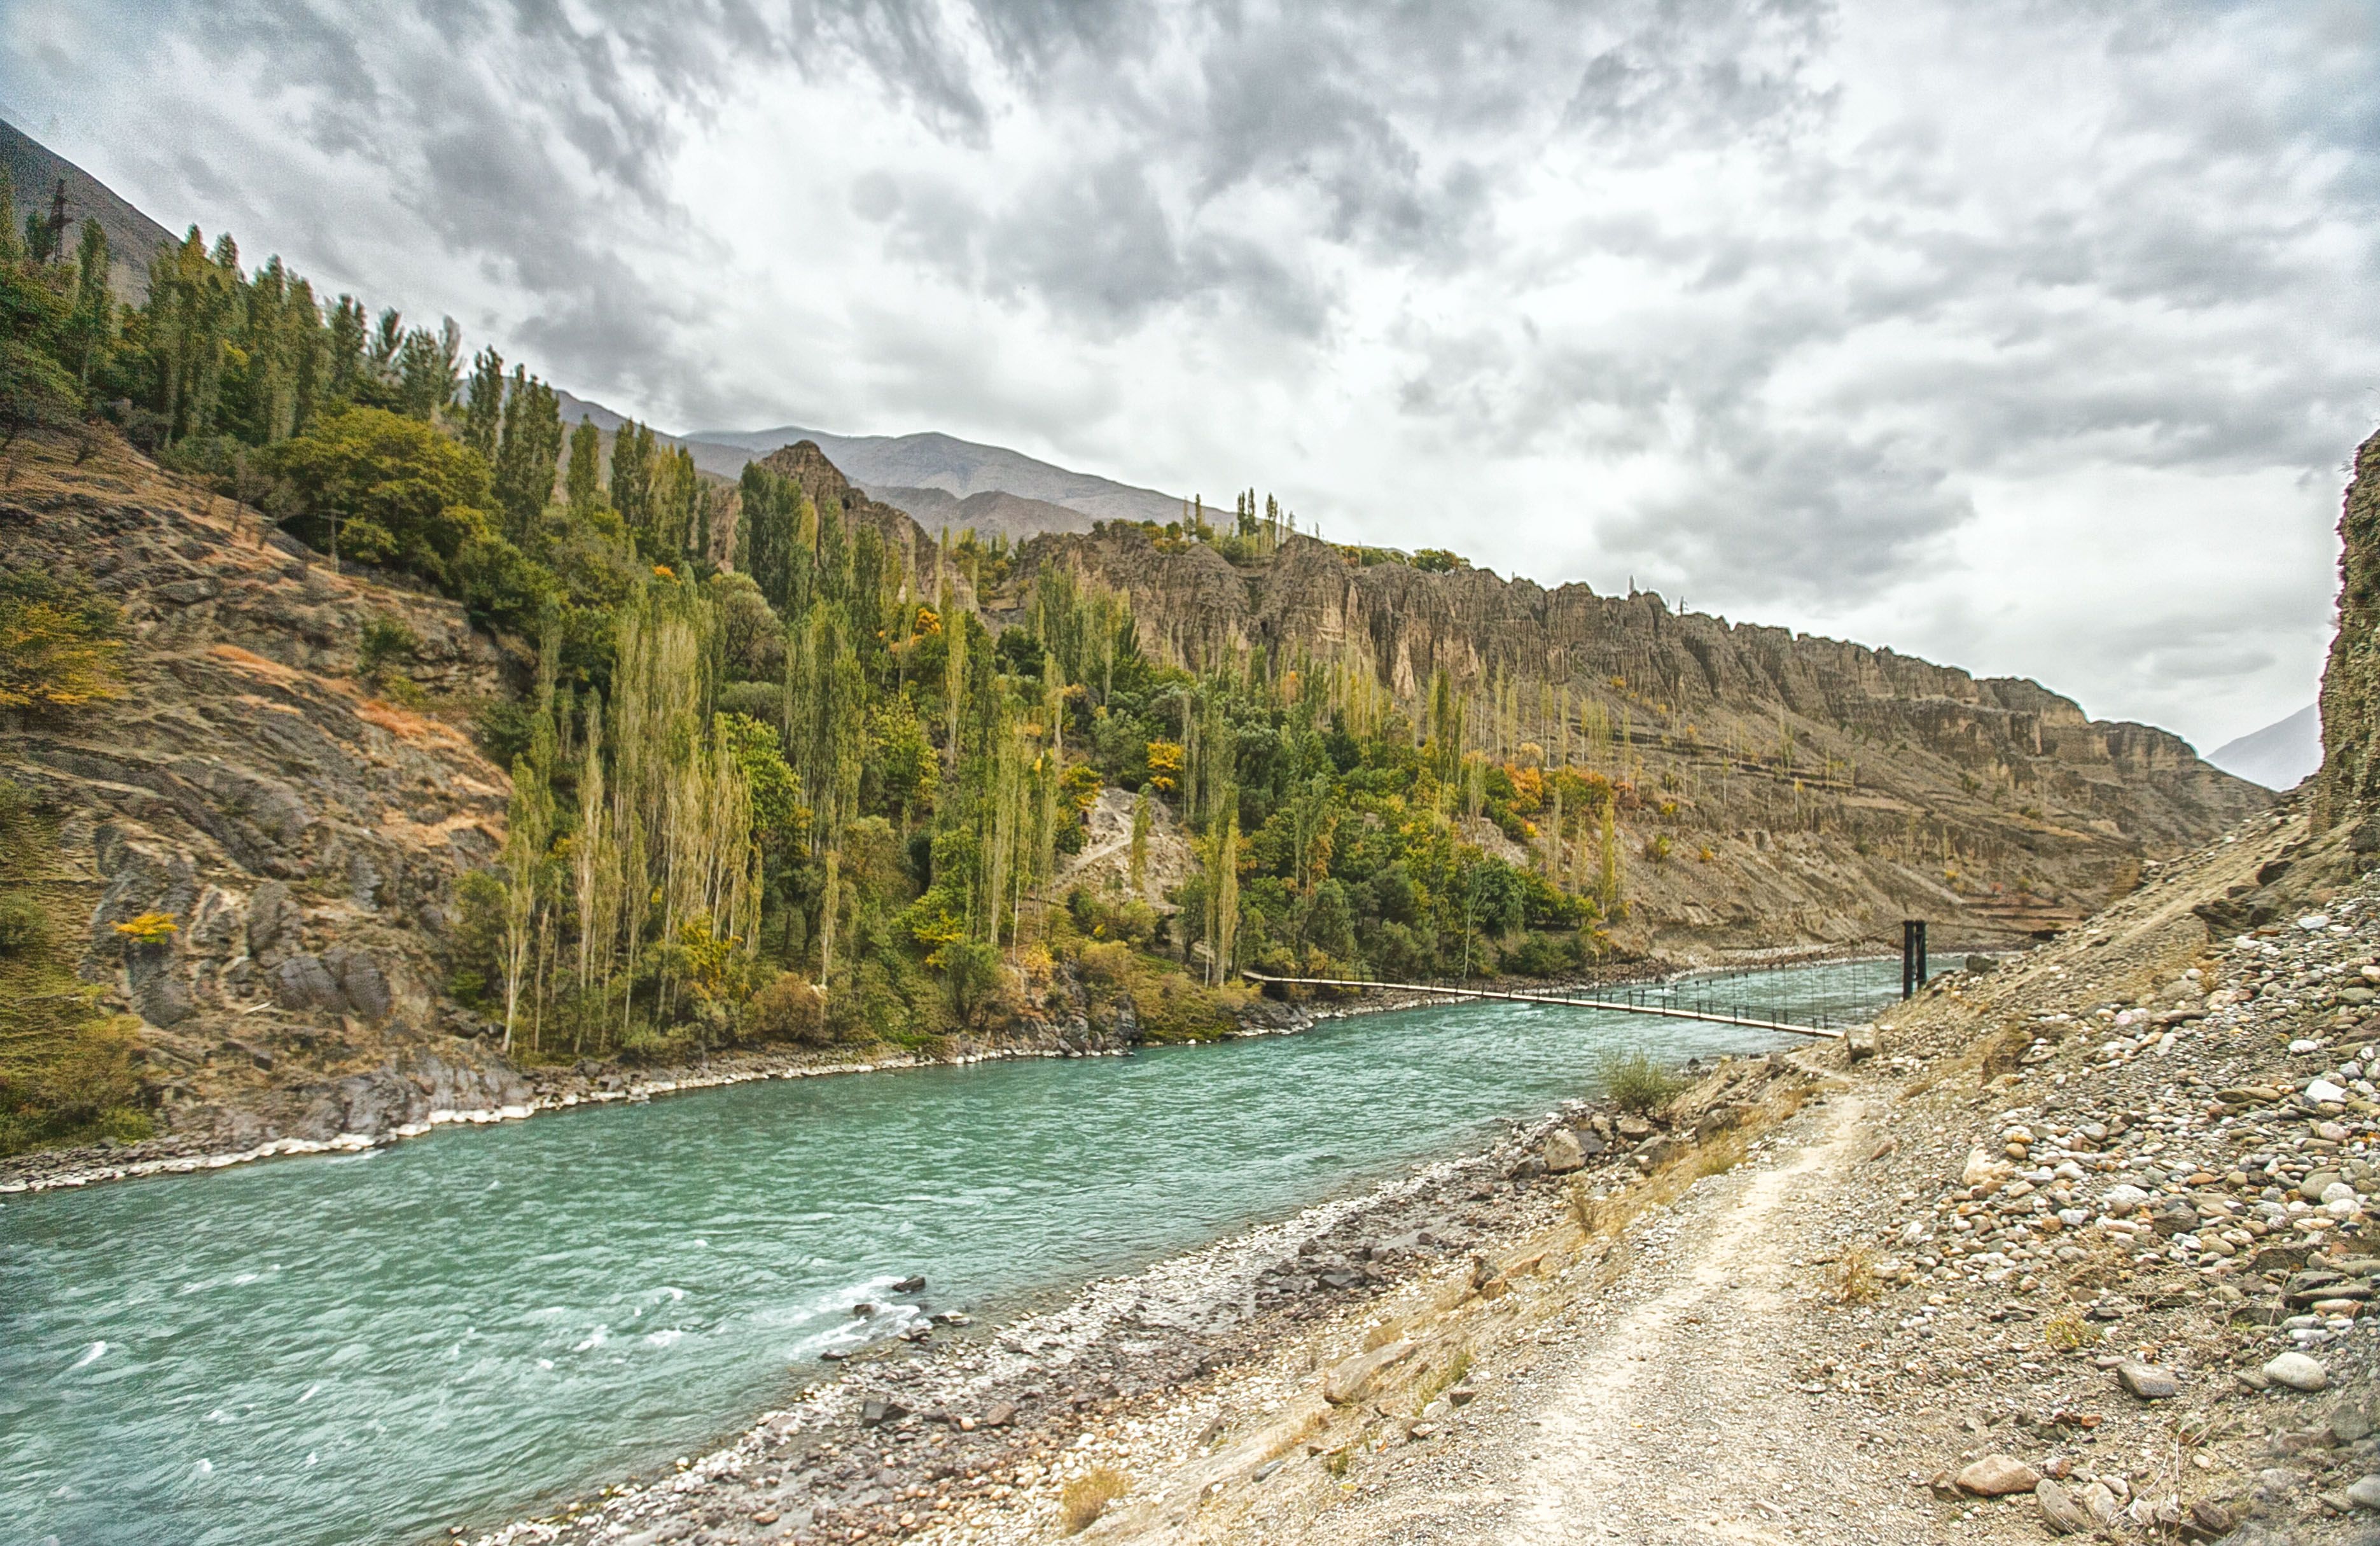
column 2083, row 1246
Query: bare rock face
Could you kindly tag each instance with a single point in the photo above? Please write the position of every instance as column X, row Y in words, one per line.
column 302, row 833
column 2350, row 682
column 1776, row 786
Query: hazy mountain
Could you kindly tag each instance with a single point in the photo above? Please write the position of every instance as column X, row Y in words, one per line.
column 36, row 171
column 992, row 512
column 958, row 466
column 937, row 480
column 2280, row 755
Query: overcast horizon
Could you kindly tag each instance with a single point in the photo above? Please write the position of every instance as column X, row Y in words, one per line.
column 2030, row 339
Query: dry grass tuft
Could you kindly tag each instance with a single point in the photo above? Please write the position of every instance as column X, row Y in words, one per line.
column 1720, row 1155
column 2065, row 1332
column 1088, row 1496
column 1444, row 1379
column 1854, row 1279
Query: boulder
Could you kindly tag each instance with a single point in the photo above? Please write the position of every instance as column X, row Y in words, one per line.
column 2060, row 1512
column 302, row 981
column 361, row 983
column 273, row 920
column 2147, row 1380
column 2297, row 1372
column 1349, row 1381
column 1996, row 1475
column 1562, row 1154
column 1981, row 1170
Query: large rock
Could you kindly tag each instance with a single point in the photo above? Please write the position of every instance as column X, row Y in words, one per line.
column 2147, row 1380
column 2297, row 1372
column 303, row 981
column 2060, row 1512
column 1563, row 1154
column 1352, row 1381
column 2350, row 679
column 1996, row 1475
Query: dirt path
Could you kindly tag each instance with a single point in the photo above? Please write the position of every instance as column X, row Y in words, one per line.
column 1676, row 1406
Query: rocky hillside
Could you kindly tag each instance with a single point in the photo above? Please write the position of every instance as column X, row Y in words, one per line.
column 300, row 829
column 1795, row 789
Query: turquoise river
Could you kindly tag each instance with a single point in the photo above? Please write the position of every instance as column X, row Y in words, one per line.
column 372, row 1347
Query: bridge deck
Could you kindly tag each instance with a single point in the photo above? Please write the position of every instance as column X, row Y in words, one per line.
column 1671, row 1012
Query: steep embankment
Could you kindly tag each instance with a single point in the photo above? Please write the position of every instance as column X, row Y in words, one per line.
column 304, row 832
column 1791, row 789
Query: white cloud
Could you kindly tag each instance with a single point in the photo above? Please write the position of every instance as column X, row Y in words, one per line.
column 2029, row 337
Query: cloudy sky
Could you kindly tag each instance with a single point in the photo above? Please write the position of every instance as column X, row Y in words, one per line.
column 2030, row 336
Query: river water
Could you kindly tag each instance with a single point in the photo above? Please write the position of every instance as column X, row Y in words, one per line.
column 372, row 1347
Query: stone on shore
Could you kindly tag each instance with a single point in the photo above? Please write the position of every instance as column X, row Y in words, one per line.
column 2060, row 1512
column 2147, row 1380
column 1562, row 1153
column 2297, row 1372
column 1996, row 1475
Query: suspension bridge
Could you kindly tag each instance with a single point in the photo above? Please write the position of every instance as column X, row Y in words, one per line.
column 1631, row 1000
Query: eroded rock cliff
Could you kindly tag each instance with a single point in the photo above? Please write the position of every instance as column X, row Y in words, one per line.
column 1808, row 790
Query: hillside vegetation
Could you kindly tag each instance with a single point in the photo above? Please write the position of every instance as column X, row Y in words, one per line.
column 413, row 740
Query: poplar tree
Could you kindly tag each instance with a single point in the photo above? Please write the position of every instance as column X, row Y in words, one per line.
column 483, row 407
column 525, row 457
column 584, row 480
column 91, row 323
column 631, row 490
column 344, row 353
column 527, row 833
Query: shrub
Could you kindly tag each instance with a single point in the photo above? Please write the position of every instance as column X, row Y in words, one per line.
column 971, row 971
column 2066, row 1331
column 149, row 928
column 22, row 926
column 505, row 729
column 58, row 648
column 1543, row 955
column 384, row 639
column 788, row 1009
column 1638, row 1084
column 1083, row 1500
column 1106, row 919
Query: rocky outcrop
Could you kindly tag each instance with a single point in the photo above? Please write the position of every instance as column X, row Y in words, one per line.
column 2350, row 681
column 827, row 488
column 301, row 832
column 1832, row 787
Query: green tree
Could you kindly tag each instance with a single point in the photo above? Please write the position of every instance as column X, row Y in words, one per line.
column 90, row 325
column 483, row 408
column 526, row 456
column 583, row 481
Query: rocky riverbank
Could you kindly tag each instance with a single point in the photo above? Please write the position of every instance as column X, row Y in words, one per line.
column 943, row 1415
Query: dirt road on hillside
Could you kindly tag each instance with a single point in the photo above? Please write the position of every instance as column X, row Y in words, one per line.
column 1671, row 1408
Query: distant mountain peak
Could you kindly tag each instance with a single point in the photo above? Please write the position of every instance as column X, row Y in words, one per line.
column 2279, row 756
